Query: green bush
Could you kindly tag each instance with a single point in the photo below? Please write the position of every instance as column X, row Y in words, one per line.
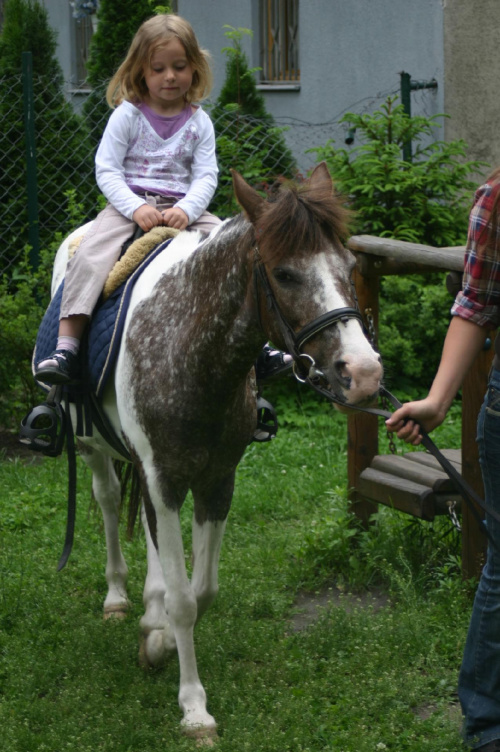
column 425, row 200
column 24, row 298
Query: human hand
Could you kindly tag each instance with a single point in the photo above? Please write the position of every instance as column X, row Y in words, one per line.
column 147, row 216
column 175, row 217
column 426, row 413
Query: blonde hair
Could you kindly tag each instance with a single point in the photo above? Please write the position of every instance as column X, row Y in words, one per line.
column 128, row 82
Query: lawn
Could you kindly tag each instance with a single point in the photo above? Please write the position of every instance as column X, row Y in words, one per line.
column 357, row 678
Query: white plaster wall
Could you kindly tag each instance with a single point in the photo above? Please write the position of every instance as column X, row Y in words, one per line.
column 208, row 18
column 351, row 55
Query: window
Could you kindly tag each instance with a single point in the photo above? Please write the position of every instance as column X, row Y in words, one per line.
column 279, row 37
column 84, row 28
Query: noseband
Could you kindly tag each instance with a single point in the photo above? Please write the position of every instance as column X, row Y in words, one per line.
column 294, row 341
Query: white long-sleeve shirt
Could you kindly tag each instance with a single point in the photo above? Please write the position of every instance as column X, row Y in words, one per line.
column 131, row 153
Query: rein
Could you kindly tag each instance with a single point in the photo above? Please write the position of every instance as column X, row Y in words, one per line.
column 315, row 379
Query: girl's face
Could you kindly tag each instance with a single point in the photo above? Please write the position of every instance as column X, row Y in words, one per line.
column 168, row 78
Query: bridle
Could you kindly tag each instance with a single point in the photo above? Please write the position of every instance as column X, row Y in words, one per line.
column 294, row 341
column 314, row 378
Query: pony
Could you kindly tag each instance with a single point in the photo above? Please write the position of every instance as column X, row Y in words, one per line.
column 182, row 398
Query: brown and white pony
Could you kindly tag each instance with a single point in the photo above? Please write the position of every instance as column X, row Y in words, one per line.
column 183, row 394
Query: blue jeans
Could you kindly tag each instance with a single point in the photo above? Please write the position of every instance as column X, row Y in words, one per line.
column 479, row 680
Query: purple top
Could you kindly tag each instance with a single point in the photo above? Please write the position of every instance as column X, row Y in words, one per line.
column 165, row 126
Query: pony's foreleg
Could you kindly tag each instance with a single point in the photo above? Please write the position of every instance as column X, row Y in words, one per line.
column 207, row 541
column 211, row 508
column 106, row 488
column 157, row 635
column 181, row 607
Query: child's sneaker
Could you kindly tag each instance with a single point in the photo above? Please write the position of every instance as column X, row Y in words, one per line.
column 61, row 367
column 272, row 363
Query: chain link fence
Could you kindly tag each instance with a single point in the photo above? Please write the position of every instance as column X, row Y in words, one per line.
column 63, row 155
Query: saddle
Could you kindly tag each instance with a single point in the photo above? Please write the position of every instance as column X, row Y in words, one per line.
column 43, row 426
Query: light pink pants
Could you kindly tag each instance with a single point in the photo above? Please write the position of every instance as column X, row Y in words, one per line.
column 100, row 249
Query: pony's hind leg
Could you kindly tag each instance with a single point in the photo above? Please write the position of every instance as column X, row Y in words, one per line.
column 158, row 639
column 106, row 488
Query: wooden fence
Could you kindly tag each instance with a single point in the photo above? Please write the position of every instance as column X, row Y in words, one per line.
column 414, row 483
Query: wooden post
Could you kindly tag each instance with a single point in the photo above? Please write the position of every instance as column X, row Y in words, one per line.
column 474, row 387
column 362, row 429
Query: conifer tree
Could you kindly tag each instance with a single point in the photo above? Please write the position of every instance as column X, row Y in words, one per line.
column 62, row 146
column 247, row 136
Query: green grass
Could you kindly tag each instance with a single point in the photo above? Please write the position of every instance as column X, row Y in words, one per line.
column 359, row 680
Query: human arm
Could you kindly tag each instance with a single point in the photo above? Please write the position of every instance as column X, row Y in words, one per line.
column 462, row 344
column 204, row 172
column 475, row 311
column 110, row 159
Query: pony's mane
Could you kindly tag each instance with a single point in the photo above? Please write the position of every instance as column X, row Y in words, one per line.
column 300, row 217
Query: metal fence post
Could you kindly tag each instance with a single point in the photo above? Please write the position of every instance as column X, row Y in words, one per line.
column 407, row 86
column 31, row 173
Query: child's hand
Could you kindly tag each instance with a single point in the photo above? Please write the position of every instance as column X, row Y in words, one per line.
column 176, row 218
column 147, row 216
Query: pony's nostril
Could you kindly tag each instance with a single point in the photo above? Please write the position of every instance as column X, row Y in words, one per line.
column 342, row 371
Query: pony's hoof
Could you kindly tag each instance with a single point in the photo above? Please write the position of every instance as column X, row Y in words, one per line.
column 204, row 736
column 152, row 650
column 114, row 612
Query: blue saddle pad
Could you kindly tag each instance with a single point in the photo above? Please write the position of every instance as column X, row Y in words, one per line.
column 104, row 333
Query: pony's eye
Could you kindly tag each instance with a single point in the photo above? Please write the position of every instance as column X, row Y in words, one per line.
column 284, row 276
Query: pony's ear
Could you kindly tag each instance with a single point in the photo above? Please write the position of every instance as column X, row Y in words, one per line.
column 249, row 200
column 321, row 178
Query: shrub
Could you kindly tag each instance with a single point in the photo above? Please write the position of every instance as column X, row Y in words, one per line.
column 425, row 200
column 23, row 300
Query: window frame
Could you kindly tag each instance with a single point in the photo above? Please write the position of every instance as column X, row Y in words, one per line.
column 279, row 44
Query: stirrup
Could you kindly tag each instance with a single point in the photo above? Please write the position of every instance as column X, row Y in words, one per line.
column 267, row 421
column 43, row 428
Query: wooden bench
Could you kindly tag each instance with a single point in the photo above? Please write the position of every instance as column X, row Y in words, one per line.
column 413, row 482
column 371, row 480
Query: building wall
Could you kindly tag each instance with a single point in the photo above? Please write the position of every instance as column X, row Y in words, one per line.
column 60, row 19
column 472, row 82
column 351, row 56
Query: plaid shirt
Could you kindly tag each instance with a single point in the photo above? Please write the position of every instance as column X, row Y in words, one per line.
column 479, row 300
